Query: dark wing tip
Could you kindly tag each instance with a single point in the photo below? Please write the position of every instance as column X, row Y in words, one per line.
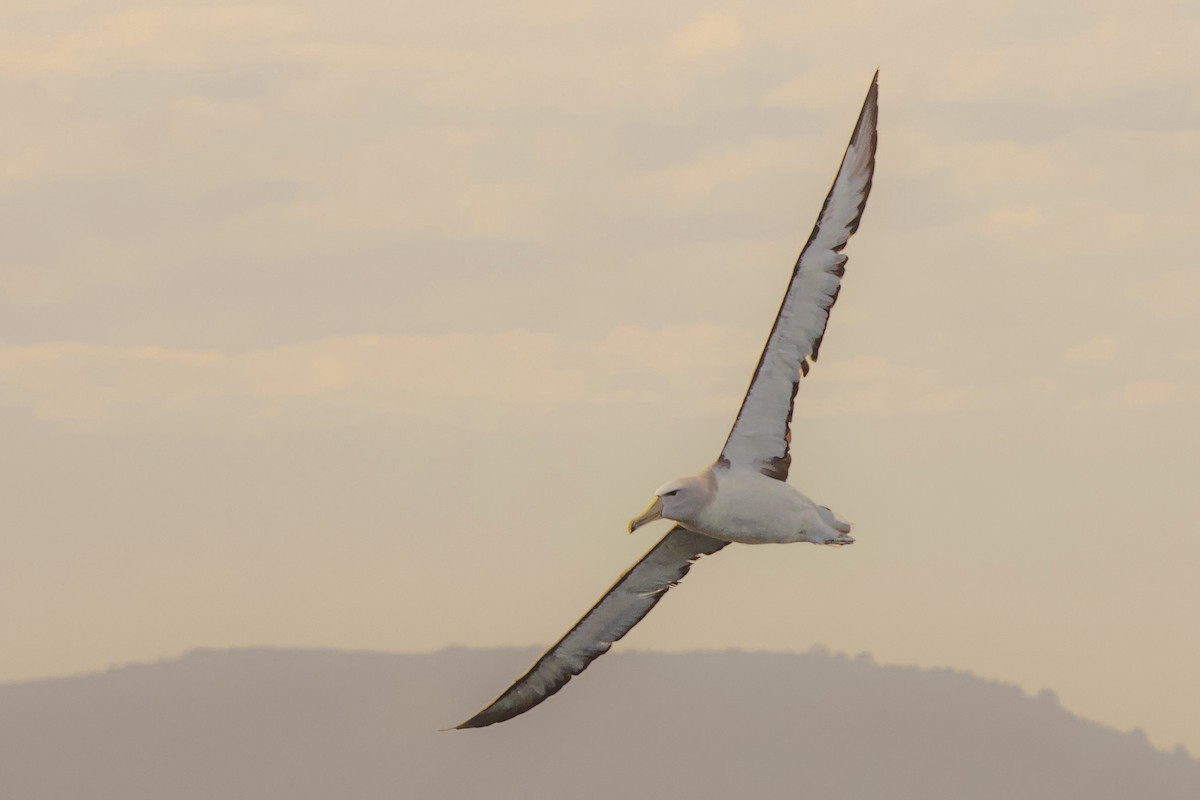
column 500, row 711
column 504, row 707
column 480, row 720
column 494, row 713
column 476, row 721
column 870, row 107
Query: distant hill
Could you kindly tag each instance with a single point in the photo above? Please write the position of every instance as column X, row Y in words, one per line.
column 269, row 724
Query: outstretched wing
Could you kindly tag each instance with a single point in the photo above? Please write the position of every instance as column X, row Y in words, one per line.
column 623, row 606
column 762, row 431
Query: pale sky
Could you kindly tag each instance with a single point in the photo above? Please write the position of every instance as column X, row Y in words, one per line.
column 371, row 324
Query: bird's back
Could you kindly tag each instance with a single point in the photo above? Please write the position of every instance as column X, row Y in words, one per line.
column 751, row 508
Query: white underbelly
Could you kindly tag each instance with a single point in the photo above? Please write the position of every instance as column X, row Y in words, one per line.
column 755, row 509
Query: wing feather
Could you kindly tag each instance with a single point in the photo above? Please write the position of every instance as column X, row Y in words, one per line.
column 761, row 433
column 623, row 606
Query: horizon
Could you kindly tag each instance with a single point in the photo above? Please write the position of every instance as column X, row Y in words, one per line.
column 318, row 723
column 817, row 650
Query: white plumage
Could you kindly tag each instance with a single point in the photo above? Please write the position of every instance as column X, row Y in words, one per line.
column 743, row 497
column 751, row 508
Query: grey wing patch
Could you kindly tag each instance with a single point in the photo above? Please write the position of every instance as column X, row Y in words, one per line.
column 623, row 606
column 761, row 434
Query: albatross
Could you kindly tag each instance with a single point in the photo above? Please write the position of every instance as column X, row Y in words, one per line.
column 744, row 496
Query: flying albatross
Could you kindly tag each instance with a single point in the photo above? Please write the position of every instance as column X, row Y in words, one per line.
column 744, row 496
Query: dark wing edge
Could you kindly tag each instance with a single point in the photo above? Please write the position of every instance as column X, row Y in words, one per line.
column 622, row 606
column 761, row 433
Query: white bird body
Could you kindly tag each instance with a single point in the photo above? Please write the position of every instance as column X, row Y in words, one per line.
column 744, row 497
column 750, row 508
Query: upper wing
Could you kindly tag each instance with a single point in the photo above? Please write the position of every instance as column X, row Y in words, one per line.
column 623, row 606
column 761, row 433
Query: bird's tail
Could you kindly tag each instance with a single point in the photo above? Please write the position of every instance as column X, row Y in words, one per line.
column 830, row 519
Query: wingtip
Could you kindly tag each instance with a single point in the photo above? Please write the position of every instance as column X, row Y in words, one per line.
column 483, row 719
column 462, row 726
column 868, row 115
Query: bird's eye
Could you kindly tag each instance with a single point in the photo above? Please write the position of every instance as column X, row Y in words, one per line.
column 671, row 493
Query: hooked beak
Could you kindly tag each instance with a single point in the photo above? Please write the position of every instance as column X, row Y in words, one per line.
column 655, row 511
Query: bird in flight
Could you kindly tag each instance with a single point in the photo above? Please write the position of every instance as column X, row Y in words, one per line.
column 744, row 496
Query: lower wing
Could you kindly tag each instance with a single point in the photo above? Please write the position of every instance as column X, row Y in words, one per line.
column 623, row 606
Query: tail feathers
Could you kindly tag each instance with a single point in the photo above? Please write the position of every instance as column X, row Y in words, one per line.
column 832, row 521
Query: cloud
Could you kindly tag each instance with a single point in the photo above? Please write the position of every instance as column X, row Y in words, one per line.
column 693, row 184
column 167, row 37
column 874, row 386
column 698, row 369
column 1151, row 393
column 24, row 285
column 710, row 34
column 1003, row 221
column 1174, row 293
column 1099, row 350
column 400, row 376
column 817, row 87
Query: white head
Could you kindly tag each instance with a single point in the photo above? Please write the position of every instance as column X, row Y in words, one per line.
column 680, row 500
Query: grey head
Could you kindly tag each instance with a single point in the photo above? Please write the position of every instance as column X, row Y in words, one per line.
column 681, row 500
